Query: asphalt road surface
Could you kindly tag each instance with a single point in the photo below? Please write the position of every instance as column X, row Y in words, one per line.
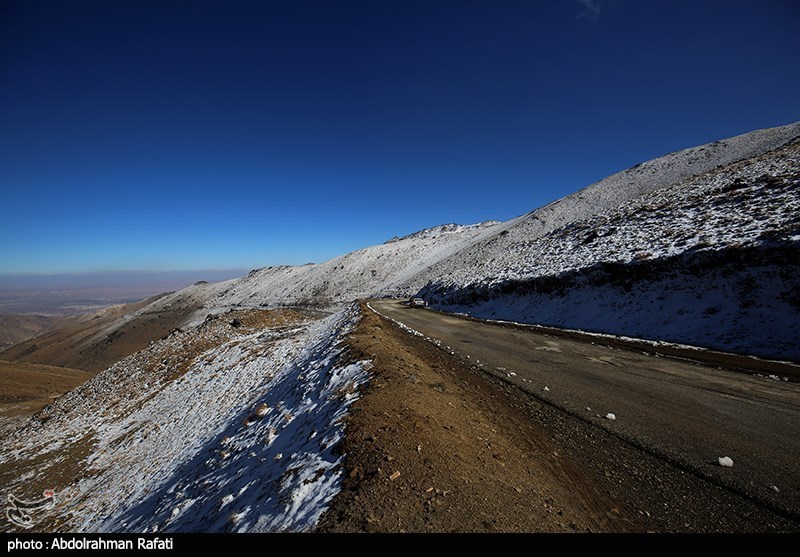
column 687, row 413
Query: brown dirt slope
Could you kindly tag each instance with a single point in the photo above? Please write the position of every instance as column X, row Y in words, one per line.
column 27, row 388
column 434, row 445
column 15, row 328
column 93, row 342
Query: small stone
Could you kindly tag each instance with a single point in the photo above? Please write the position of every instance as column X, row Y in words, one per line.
column 725, row 461
column 546, row 389
column 611, row 416
column 395, row 475
column 775, row 488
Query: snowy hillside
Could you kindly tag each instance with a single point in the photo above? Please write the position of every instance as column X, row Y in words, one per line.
column 710, row 261
column 609, row 193
column 381, row 269
column 402, row 266
column 643, row 214
column 227, row 427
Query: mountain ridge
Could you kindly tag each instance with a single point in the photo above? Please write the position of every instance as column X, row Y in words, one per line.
column 464, row 257
column 421, row 262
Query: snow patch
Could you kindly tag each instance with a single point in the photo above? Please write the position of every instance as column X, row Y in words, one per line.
column 244, row 440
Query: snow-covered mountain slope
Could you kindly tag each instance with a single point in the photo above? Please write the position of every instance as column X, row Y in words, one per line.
column 402, row 266
column 449, row 260
column 609, row 193
column 228, row 427
column 712, row 260
column 371, row 271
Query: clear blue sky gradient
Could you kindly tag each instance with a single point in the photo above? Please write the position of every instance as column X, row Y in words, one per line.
column 155, row 135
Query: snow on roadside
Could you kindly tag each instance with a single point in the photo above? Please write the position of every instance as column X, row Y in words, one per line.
column 271, row 473
column 242, row 441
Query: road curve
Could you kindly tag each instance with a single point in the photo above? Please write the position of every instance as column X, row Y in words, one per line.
column 686, row 413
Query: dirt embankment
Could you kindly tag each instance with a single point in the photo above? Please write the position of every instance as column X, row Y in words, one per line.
column 16, row 328
column 94, row 342
column 434, row 445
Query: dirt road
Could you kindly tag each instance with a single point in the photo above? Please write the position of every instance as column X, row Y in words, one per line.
column 685, row 414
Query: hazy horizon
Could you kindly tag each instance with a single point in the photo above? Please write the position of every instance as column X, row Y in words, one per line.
column 76, row 293
column 133, row 272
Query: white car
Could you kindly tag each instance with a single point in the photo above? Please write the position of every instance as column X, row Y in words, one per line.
column 416, row 303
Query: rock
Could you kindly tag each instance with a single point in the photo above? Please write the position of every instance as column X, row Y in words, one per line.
column 395, row 475
column 546, row 389
column 775, row 488
column 725, row 461
column 611, row 416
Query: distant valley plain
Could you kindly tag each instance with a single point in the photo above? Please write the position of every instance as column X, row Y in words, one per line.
column 62, row 294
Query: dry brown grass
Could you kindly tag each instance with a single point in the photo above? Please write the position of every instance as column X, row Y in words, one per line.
column 27, row 388
column 93, row 342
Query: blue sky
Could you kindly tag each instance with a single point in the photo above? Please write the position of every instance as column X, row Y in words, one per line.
column 154, row 135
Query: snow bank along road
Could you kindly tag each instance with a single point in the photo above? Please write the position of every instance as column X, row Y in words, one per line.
column 686, row 413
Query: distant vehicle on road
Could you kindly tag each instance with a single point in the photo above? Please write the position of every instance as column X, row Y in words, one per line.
column 416, row 303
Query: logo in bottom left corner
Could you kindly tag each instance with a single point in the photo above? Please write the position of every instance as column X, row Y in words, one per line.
column 21, row 512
